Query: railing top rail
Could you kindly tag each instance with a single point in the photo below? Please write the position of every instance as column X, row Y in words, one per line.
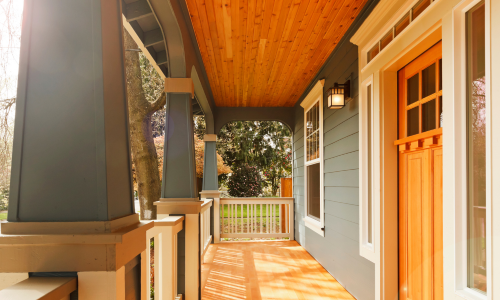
column 207, row 202
column 206, row 205
column 169, row 221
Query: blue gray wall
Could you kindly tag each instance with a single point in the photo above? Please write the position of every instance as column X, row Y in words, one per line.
column 338, row 250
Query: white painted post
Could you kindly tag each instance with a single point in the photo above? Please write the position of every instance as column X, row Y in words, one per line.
column 102, row 285
column 217, row 223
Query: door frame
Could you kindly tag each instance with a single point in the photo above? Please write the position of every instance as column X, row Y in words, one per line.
column 431, row 141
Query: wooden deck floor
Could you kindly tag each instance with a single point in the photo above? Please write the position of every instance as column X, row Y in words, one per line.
column 266, row 270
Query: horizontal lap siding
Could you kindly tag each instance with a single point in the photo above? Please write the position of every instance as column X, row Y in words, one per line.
column 338, row 250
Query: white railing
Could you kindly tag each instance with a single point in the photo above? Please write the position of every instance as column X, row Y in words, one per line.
column 256, row 218
column 164, row 237
column 205, row 236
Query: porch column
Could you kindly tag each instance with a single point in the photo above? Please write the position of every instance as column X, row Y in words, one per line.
column 71, row 158
column 71, row 183
column 211, row 183
column 179, row 191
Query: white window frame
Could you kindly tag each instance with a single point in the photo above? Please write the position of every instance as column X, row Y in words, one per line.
column 367, row 159
column 460, row 151
column 315, row 95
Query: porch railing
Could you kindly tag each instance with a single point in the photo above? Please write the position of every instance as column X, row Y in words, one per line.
column 205, row 236
column 161, row 239
column 256, row 218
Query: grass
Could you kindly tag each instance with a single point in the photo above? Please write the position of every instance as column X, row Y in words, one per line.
column 258, row 212
column 3, row 216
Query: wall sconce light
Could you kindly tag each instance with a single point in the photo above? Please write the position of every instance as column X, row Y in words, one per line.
column 338, row 94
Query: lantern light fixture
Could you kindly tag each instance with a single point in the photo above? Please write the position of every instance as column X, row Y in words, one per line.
column 338, row 94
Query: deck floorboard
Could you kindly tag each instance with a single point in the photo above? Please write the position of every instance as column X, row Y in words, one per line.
column 266, row 270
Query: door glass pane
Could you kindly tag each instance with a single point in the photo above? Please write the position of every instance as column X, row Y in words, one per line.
column 412, row 89
column 313, row 191
column 412, row 121
column 476, row 147
column 429, row 115
column 440, row 74
column 429, row 80
column 440, row 111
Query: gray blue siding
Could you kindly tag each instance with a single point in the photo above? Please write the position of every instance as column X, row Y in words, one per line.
column 338, row 250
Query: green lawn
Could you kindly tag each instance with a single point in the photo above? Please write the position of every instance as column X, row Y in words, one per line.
column 264, row 210
column 3, row 216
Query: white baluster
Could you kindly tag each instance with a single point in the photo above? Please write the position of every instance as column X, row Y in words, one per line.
column 279, row 216
column 260, row 218
column 274, row 218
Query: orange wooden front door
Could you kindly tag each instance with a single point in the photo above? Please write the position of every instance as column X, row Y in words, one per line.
column 421, row 178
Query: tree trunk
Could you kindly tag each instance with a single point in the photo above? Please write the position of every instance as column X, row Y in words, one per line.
column 141, row 138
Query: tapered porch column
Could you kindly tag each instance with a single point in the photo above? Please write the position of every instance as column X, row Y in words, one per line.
column 71, row 183
column 211, row 183
column 179, row 191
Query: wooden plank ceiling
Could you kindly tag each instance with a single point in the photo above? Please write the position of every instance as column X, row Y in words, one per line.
column 263, row 53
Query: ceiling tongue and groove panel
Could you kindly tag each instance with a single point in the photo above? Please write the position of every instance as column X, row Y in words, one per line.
column 264, row 53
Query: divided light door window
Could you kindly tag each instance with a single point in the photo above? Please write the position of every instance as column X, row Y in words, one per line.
column 313, row 144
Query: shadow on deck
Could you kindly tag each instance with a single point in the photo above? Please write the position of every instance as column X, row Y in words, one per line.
column 266, row 270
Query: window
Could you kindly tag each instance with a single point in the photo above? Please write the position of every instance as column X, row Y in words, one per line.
column 471, row 112
column 476, row 148
column 367, row 142
column 313, row 161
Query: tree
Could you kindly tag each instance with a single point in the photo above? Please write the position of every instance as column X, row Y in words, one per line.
column 245, row 181
column 263, row 144
column 141, row 107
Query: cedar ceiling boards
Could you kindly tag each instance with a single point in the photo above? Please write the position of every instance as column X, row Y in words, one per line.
column 264, row 53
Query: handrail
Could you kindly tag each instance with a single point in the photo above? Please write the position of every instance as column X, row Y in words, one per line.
column 164, row 235
column 205, row 236
column 256, row 218
column 46, row 288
